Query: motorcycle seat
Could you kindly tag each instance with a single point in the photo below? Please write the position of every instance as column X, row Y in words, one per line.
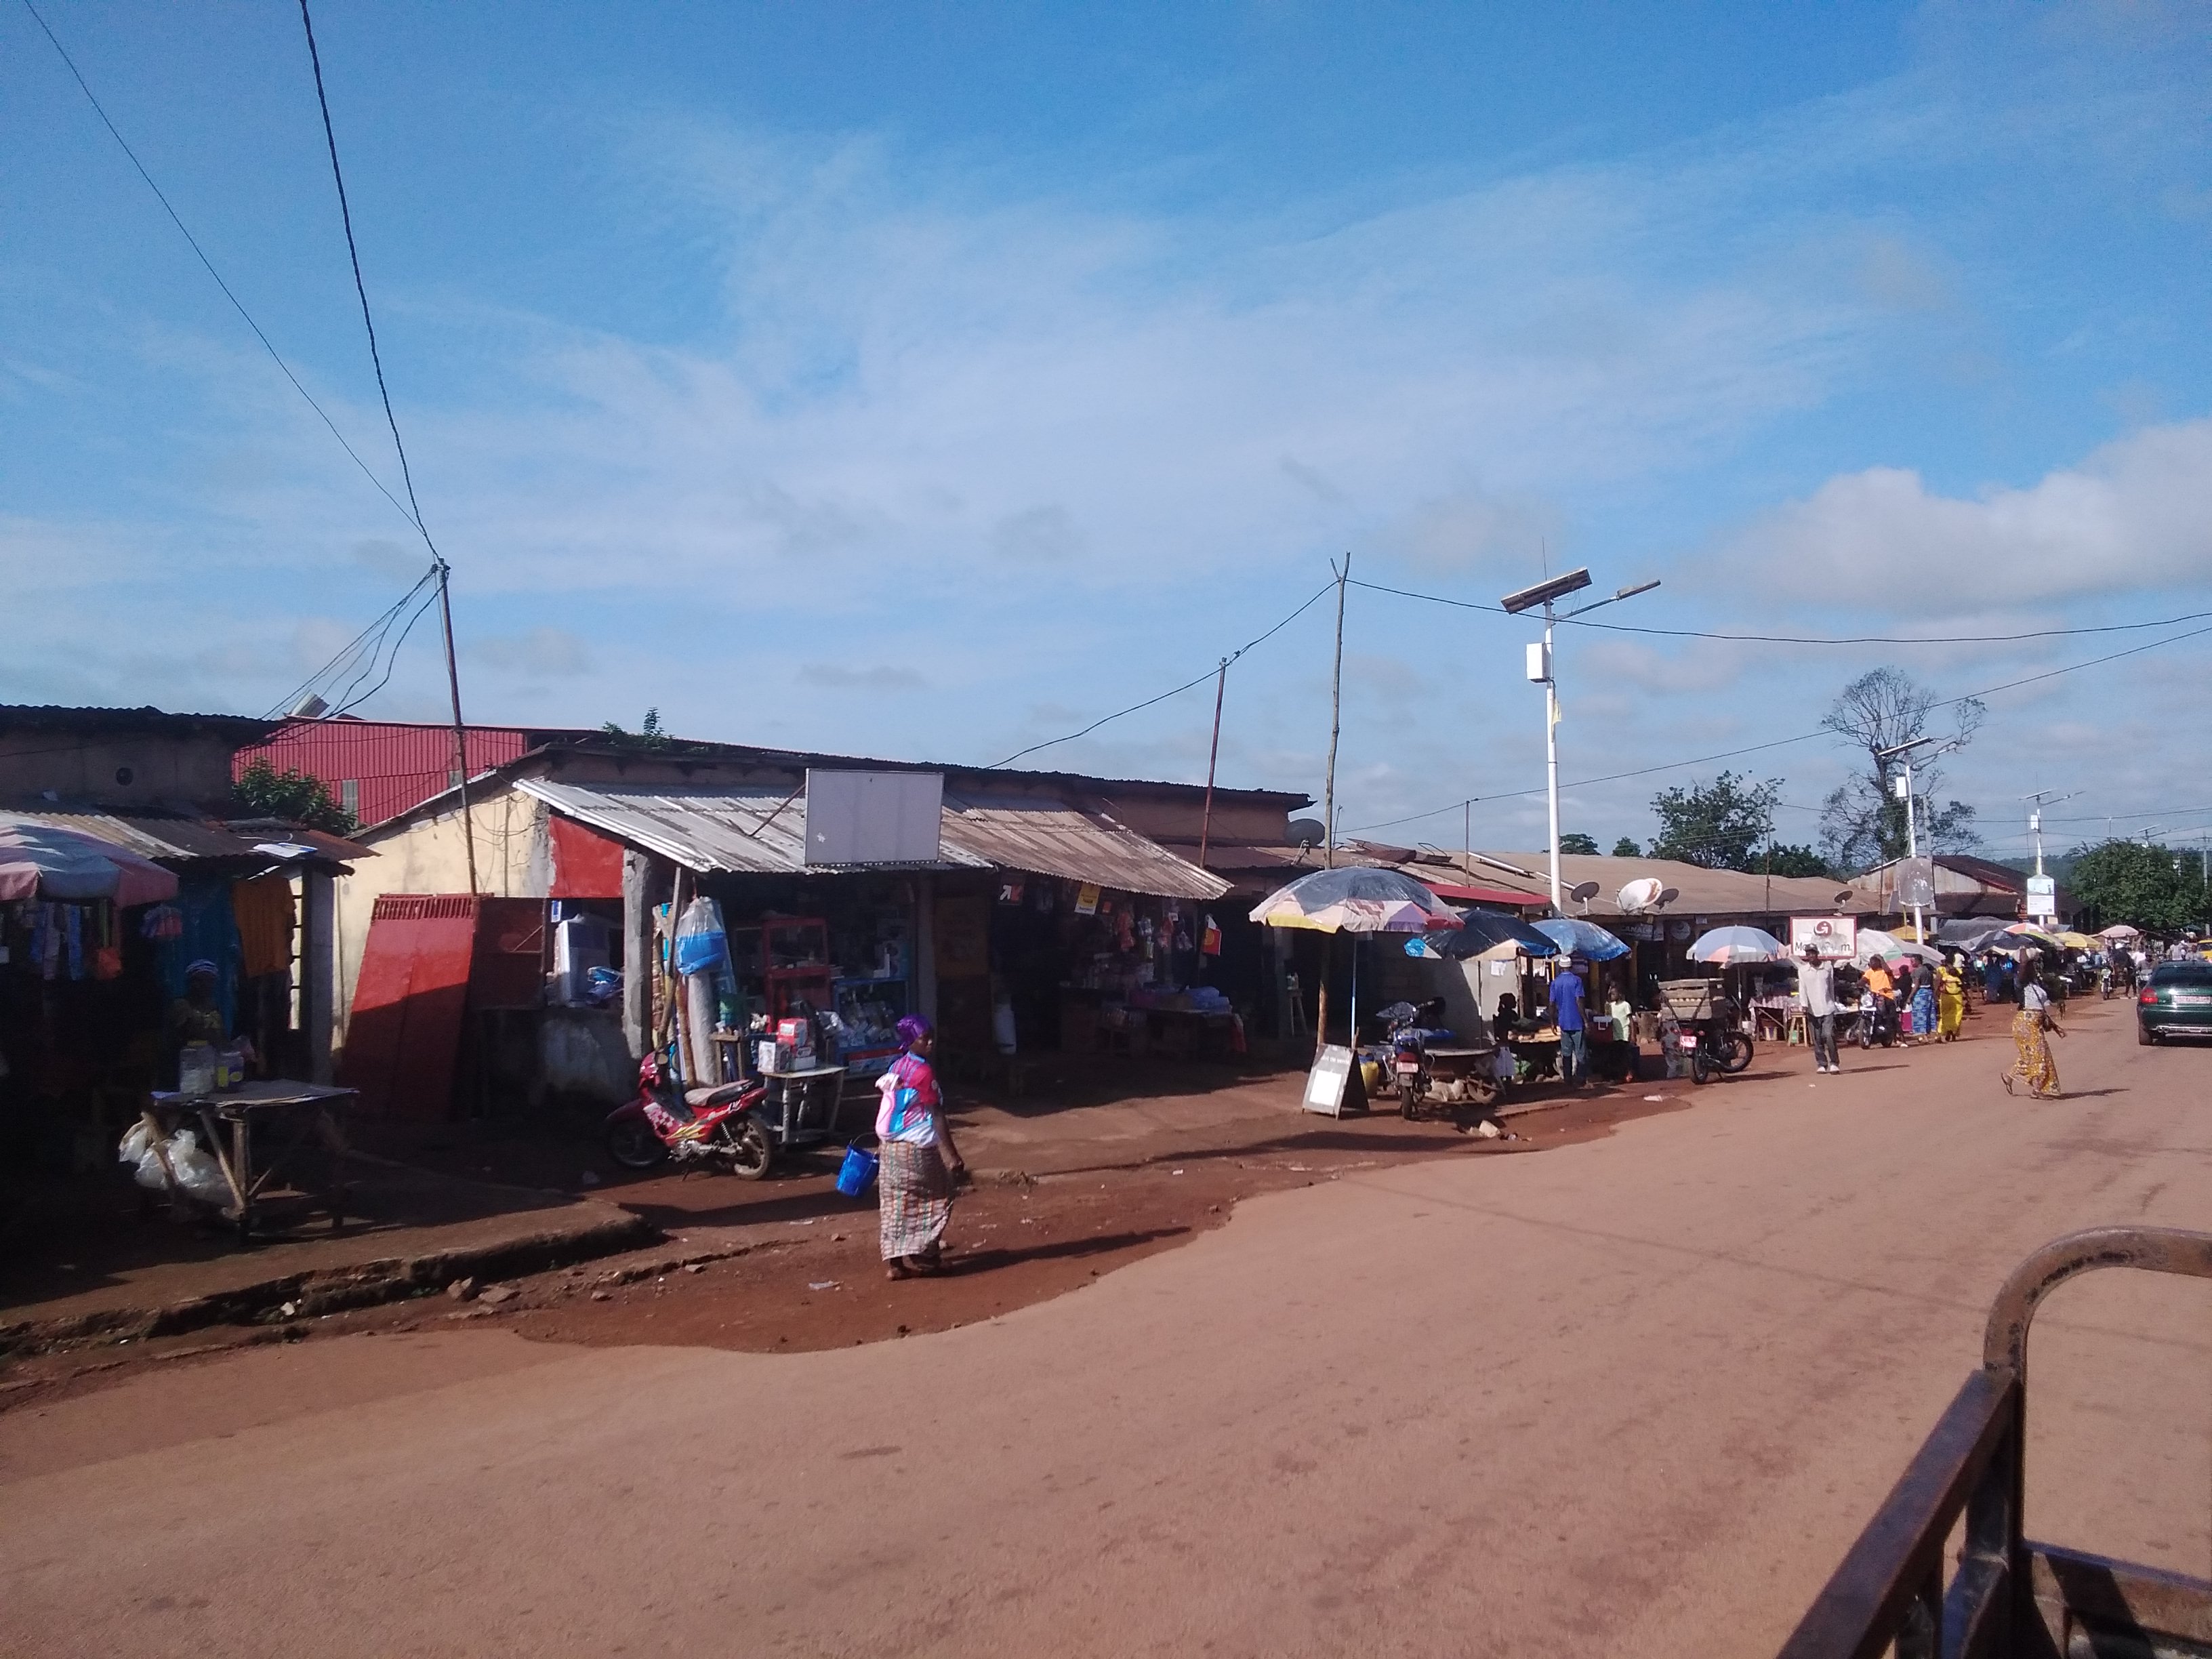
column 718, row 1095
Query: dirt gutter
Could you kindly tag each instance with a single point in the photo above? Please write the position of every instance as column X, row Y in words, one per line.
column 329, row 1290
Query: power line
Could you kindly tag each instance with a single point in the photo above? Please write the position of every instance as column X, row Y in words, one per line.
column 352, row 652
column 274, row 356
column 1802, row 737
column 1050, row 743
column 353, row 253
column 1803, row 639
column 391, row 660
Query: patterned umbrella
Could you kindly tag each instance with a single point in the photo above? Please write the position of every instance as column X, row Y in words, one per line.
column 1873, row 943
column 38, row 860
column 1582, row 938
column 1355, row 900
column 1729, row 947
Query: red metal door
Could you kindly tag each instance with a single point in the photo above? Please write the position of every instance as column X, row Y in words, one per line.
column 403, row 1037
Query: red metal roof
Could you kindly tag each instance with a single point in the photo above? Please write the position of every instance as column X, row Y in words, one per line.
column 1465, row 895
column 391, row 766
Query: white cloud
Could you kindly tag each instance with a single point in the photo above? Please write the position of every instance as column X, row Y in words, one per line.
column 2134, row 516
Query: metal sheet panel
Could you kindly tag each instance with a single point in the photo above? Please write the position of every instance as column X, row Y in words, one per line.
column 871, row 819
column 393, row 766
column 403, row 1038
column 730, row 829
column 1051, row 837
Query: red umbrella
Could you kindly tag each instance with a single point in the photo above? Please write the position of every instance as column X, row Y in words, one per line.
column 38, row 860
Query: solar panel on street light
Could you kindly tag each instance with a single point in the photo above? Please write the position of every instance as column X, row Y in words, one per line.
column 1529, row 598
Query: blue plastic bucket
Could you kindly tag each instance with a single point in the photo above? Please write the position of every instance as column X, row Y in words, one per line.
column 857, row 1173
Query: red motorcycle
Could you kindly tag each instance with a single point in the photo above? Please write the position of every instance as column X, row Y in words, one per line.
column 718, row 1124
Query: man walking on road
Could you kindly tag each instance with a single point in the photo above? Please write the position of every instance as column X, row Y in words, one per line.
column 1566, row 1000
column 1816, row 983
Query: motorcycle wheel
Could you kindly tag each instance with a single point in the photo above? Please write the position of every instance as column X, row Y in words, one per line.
column 632, row 1144
column 1866, row 1035
column 1736, row 1053
column 1409, row 1103
column 752, row 1151
column 1701, row 1069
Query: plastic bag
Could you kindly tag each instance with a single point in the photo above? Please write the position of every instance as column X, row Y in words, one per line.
column 136, row 1140
column 196, row 1171
column 702, row 946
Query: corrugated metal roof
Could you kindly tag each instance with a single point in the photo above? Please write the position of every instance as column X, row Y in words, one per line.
column 1049, row 837
column 741, row 831
column 180, row 840
column 729, row 829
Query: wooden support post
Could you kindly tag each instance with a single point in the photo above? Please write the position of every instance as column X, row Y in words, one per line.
column 639, row 964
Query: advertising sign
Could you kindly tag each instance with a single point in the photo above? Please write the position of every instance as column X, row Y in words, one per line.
column 1329, row 1081
column 2042, row 898
column 1836, row 938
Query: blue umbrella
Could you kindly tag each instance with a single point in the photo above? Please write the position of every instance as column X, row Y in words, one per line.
column 1484, row 931
column 1580, row 938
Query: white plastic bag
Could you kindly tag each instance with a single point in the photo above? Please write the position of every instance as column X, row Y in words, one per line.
column 196, row 1171
column 135, row 1140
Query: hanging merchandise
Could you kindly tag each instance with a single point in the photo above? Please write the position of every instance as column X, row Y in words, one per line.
column 1210, row 941
column 162, row 921
column 702, row 946
column 75, row 926
column 1087, row 900
column 263, row 908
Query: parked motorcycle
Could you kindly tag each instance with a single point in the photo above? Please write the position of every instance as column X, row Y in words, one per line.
column 1878, row 1023
column 719, row 1126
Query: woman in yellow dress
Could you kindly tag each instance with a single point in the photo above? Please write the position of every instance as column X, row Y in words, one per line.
column 1950, row 1001
column 2032, row 1063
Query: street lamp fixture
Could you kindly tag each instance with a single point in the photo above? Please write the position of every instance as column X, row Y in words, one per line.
column 1547, row 594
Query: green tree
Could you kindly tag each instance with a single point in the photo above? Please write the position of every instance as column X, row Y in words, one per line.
column 1626, row 848
column 292, row 795
column 1577, row 843
column 1863, row 820
column 1720, row 825
column 648, row 736
column 2155, row 888
column 1794, row 862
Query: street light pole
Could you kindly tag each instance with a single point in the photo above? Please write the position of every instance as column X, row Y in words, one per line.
column 1546, row 593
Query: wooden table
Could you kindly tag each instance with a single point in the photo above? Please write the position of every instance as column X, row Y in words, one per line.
column 229, row 1122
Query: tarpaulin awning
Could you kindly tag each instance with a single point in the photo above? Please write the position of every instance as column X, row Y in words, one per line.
column 40, row 861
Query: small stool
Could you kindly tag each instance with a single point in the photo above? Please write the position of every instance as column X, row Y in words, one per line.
column 1794, row 1030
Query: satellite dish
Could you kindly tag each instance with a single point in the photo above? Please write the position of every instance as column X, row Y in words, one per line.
column 1307, row 832
column 309, row 707
column 1844, row 897
column 1667, row 896
column 1582, row 891
column 1640, row 895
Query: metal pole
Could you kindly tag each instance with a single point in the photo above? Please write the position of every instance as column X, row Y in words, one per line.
column 1912, row 852
column 1335, row 722
column 1552, row 757
column 461, row 731
column 1206, row 823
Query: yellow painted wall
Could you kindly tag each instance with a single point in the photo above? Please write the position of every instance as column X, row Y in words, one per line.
column 429, row 854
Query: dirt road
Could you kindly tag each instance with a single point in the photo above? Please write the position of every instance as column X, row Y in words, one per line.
column 1630, row 1396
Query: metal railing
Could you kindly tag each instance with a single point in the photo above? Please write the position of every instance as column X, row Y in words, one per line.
column 2009, row 1598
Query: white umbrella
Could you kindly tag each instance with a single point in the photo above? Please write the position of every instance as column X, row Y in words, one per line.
column 1873, row 943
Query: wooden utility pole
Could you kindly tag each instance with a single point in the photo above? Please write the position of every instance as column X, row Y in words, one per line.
column 461, row 731
column 1213, row 757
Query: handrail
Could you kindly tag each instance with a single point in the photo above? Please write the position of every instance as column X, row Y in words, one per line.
column 1889, row 1587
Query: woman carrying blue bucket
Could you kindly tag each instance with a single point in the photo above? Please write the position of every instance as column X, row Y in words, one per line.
column 920, row 1162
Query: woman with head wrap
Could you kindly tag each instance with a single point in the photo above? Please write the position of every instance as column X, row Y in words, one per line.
column 196, row 1017
column 919, row 1160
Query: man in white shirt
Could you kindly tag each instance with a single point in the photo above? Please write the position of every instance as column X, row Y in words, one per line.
column 1816, row 983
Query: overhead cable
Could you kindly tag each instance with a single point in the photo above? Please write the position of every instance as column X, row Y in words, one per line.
column 1050, row 743
column 236, row 304
column 1802, row 639
column 1802, row 737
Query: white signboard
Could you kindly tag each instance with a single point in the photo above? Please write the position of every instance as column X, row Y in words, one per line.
column 2042, row 898
column 1329, row 1081
column 873, row 817
column 1916, row 882
column 1836, row 938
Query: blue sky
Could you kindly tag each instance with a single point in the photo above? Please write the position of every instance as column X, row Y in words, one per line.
column 929, row 381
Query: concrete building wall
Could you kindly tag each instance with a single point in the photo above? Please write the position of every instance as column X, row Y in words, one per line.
column 120, row 771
